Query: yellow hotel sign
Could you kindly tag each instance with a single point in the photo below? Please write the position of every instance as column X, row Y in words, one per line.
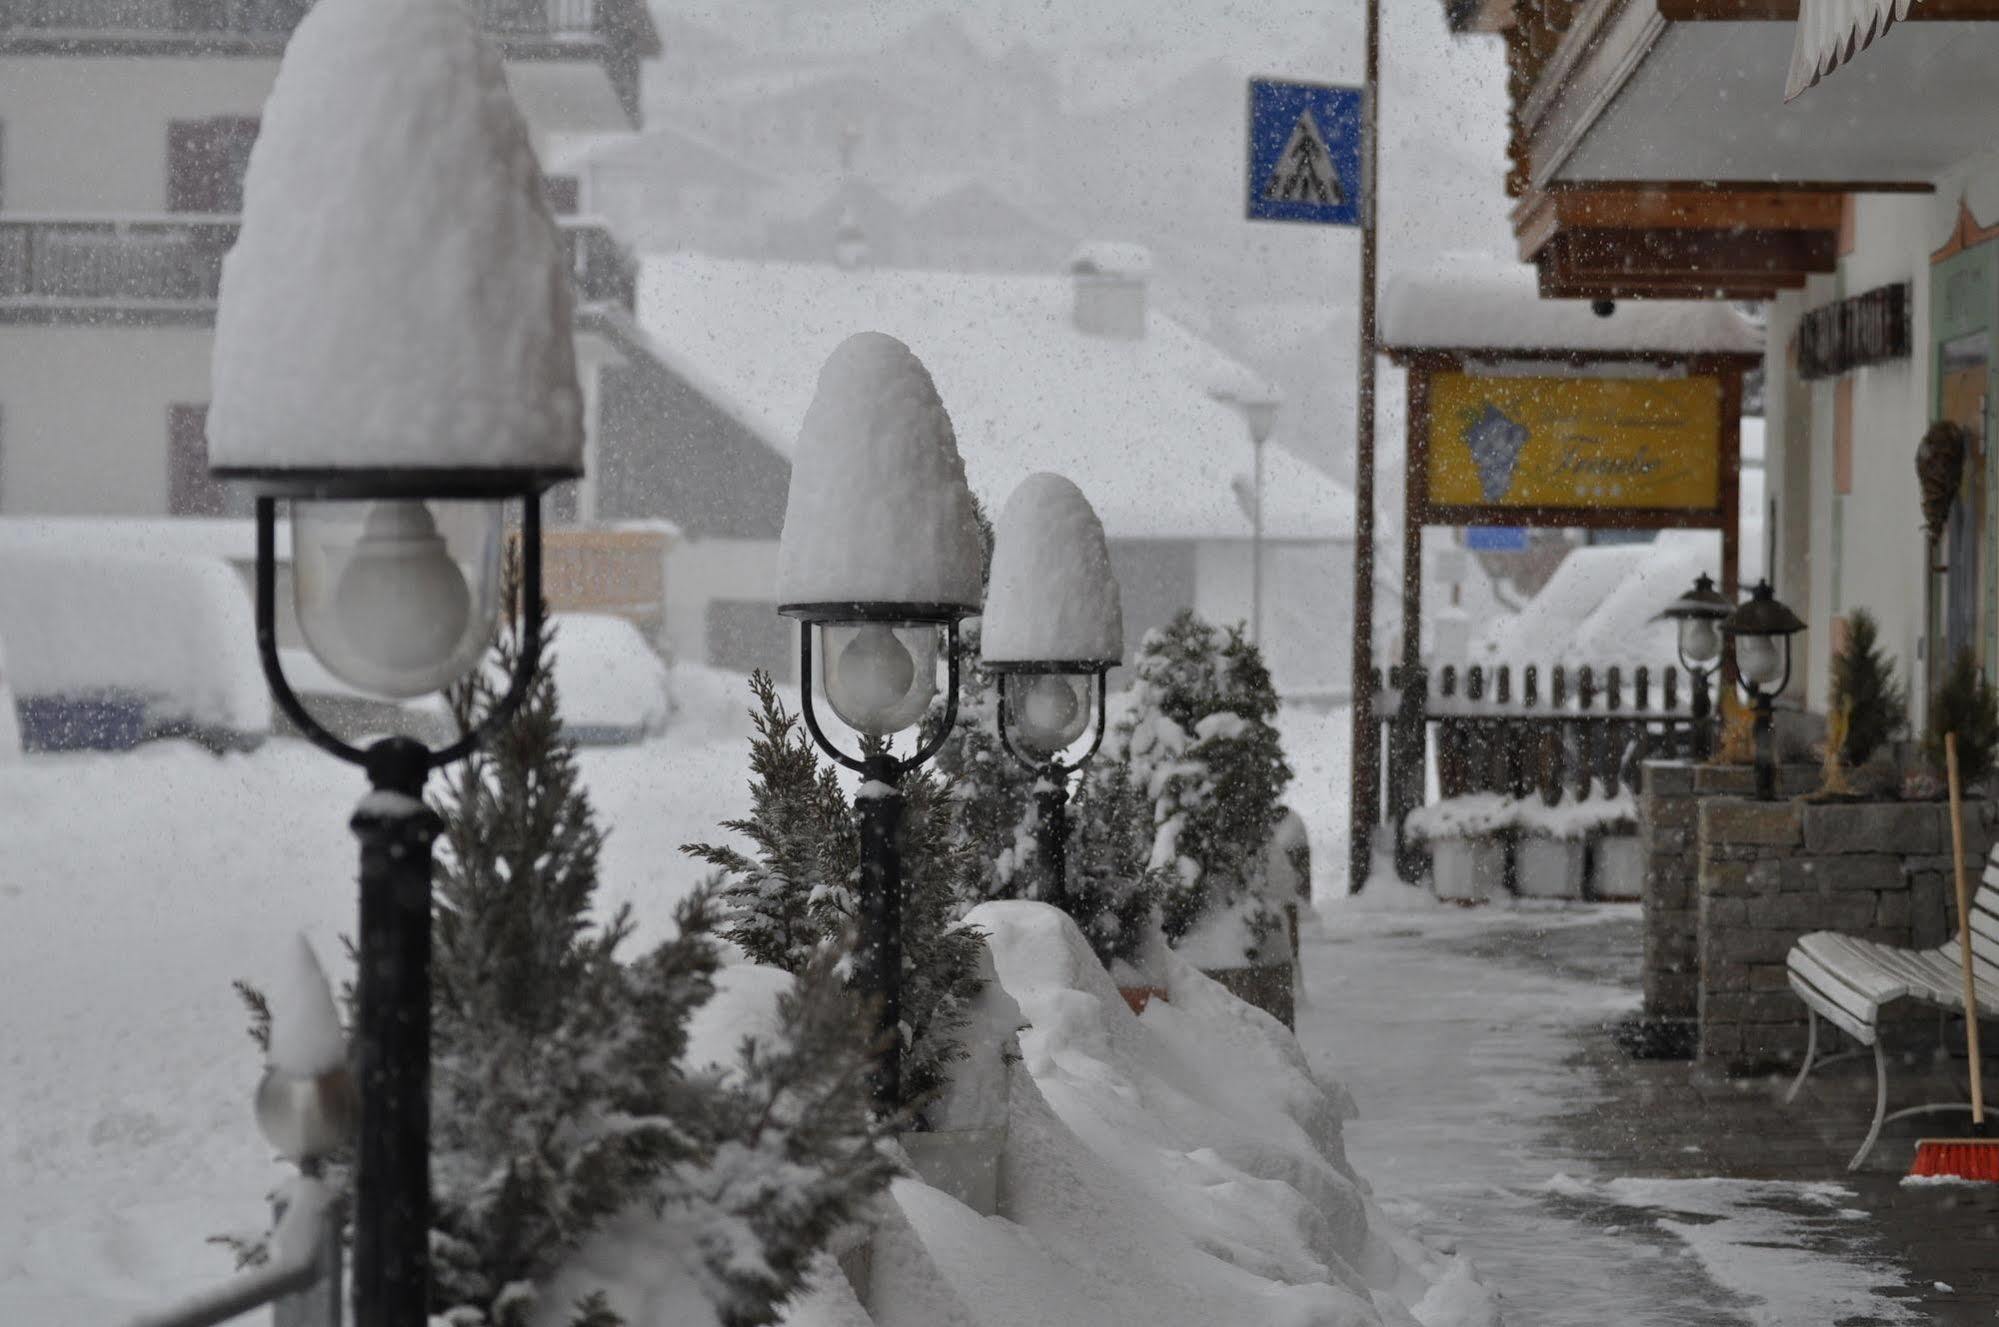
column 1591, row 443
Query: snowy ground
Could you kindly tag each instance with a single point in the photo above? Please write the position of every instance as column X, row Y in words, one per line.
column 1460, row 1053
column 133, row 887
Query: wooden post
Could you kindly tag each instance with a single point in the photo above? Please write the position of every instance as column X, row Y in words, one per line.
column 1364, row 804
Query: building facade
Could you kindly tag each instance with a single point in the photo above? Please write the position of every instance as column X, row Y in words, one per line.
column 1718, row 151
column 125, row 129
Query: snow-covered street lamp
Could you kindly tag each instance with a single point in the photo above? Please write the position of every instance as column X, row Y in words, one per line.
column 1698, row 615
column 878, row 560
column 1052, row 631
column 393, row 361
column 1761, row 630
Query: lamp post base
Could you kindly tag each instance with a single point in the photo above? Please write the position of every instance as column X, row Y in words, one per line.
column 878, row 811
column 1766, row 749
column 1051, row 837
column 392, row 1185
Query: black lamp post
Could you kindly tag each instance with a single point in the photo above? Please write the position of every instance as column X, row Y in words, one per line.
column 1052, row 631
column 1699, row 614
column 1761, row 630
column 395, row 386
column 879, row 559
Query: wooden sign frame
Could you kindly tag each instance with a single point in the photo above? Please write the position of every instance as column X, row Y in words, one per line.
column 1419, row 511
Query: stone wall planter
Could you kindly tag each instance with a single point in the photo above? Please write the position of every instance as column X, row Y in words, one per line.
column 1267, row 986
column 1617, row 868
column 961, row 1162
column 1770, row 872
column 1468, row 869
column 1548, row 867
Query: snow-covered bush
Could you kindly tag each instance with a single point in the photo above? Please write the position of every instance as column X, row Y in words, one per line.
column 1111, row 887
column 564, row 1098
column 1196, row 731
column 993, row 792
column 793, row 893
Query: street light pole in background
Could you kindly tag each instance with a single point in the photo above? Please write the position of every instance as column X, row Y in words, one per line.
column 1258, row 403
column 1364, row 809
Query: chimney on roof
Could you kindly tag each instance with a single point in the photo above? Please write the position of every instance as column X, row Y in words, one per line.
column 1110, row 284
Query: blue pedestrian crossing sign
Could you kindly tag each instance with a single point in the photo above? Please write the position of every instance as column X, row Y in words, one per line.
column 1304, row 152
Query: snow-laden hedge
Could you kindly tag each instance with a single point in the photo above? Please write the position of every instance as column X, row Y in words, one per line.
column 1478, row 814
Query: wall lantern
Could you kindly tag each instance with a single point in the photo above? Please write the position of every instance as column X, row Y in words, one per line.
column 879, row 561
column 1052, row 631
column 1761, row 629
column 1698, row 615
column 393, row 362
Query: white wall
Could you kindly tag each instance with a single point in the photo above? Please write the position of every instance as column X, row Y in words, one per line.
column 1307, row 598
column 89, row 134
column 700, row 571
column 83, row 415
column 1865, row 548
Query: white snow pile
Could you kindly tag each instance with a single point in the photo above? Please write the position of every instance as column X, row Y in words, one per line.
column 175, row 632
column 398, row 294
column 1469, row 302
column 1180, row 1170
column 306, row 1038
column 1602, row 606
column 1476, row 814
column 878, row 508
column 1051, row 594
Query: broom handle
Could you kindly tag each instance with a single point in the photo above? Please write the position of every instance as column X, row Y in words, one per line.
column 1964, row 932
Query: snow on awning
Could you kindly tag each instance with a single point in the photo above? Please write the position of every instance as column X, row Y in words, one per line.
column 1469, row 306
column 1832, row 32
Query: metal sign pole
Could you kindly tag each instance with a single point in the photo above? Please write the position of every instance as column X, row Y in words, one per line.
column 1365, row 780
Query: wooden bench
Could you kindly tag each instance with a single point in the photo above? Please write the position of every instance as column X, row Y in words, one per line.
column 1849, row 981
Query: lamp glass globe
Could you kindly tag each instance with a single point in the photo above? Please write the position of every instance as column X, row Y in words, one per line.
column 879, row 676
column 397, row 598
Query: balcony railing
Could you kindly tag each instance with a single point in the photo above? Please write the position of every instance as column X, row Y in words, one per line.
column 171, row 267
column 272, row 18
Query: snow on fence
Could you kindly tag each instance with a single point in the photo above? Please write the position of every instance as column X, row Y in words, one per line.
column 1564, row 735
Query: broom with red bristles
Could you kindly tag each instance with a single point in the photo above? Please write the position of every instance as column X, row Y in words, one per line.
column 1962, row 1158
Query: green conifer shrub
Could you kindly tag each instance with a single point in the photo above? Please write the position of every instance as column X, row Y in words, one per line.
column 794, row 891
column 1967, row 705
column 1197, row 732
column 561, row 1096
column 1863, row 680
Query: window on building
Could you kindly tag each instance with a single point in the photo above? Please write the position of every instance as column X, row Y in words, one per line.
column 205, row 163
column 191, row 490
column 562, row 192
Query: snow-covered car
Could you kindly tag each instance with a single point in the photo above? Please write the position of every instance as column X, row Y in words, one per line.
column 10, row 726
column 611, row 684
column 612, row 688
column 113, row 644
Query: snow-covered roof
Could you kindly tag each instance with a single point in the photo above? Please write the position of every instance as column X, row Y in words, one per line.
column 1601, row 605
column 1131, row 422
column 1500, row 308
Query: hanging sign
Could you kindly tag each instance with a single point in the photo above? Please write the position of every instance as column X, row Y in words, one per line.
column 1497, row 447
column 1304, row 152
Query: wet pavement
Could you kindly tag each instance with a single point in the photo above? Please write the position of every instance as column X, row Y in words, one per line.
column 1499, row 1118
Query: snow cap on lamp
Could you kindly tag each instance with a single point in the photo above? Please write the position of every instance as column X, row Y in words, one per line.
column 1052, row 597
column 397, row 296
column 879, row 512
